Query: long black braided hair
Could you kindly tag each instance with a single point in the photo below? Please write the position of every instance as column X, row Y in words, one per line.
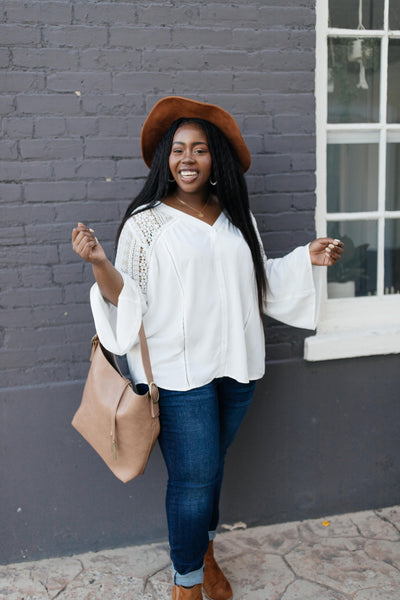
column 231, row 189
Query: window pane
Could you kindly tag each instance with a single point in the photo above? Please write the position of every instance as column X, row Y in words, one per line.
column 393, row 177
column 394, row 82
column 355, row 273
column 345, row 13
column 392, row 257
column 353, row 80
column 352, row 177
column 394, row 14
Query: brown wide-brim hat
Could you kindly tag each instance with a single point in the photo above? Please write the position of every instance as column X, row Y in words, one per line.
column 171, row 108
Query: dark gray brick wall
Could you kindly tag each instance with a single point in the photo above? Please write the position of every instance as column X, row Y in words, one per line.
column 76, row 81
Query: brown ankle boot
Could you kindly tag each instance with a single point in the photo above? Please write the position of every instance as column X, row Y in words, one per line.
column 215, row 584
column 181, row 593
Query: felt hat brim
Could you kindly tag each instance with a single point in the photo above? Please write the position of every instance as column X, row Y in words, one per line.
column 171, row 108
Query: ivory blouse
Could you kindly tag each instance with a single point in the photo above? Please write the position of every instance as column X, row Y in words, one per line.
column 193, row 285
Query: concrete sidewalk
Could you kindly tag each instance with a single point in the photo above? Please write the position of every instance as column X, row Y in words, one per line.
column 354, row 556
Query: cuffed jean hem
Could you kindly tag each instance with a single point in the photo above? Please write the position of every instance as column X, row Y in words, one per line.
column 190, row 579
column 211, row 535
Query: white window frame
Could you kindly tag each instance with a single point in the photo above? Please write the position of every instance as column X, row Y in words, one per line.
column 361, row 326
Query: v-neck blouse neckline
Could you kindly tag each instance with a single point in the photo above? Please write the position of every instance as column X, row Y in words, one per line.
column 180, row 212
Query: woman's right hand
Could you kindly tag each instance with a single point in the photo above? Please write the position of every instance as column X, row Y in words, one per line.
column 86, row 245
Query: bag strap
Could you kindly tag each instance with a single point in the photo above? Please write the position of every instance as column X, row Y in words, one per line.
column 144, row 352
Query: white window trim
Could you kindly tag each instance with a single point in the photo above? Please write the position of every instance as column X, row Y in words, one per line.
column 350, row 327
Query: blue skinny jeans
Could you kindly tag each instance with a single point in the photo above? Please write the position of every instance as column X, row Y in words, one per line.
column 197, row 427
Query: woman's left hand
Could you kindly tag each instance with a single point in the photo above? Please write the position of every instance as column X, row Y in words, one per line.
column 324, row 252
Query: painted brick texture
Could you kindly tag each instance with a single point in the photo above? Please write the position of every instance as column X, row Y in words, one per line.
column 76, row 82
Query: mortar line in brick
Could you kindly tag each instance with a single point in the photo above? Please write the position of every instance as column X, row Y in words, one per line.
column 44, row 386
column 136, row 13
column 24, row 233
column 58, row 254
column 42, row 43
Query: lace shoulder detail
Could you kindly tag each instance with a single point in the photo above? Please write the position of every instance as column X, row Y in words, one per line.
column 136, row 242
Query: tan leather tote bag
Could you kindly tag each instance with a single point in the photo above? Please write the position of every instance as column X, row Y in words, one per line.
column 121, row 425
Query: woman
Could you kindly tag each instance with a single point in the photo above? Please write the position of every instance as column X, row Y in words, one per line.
column 190, row 263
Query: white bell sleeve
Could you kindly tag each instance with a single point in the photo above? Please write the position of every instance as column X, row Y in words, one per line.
column 118, row 326
column 293, row 287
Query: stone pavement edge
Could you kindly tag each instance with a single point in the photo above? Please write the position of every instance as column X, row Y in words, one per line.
column 345, row 557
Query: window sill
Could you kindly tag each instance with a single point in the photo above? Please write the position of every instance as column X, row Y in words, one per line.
column 352, row 343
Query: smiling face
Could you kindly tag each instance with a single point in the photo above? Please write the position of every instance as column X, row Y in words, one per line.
column 190, row 159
